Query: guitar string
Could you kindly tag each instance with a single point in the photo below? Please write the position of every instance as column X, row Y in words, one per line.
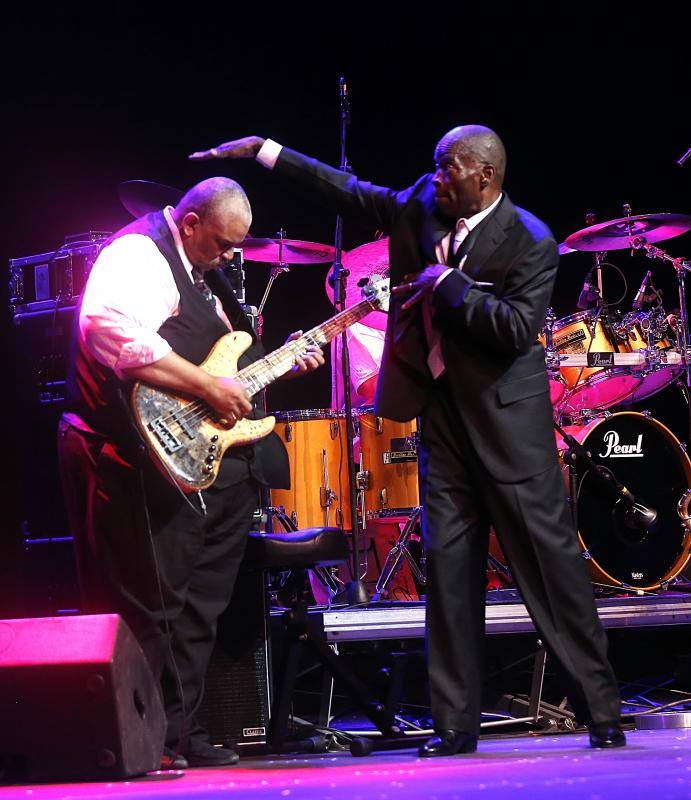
column 197, row 410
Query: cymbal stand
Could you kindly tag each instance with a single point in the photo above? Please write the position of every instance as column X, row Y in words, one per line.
column 276, row 269
column 681, row 267
column 355, row 591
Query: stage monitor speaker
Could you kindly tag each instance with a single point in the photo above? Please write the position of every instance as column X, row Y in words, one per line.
column 237, row 696
column 77, row 701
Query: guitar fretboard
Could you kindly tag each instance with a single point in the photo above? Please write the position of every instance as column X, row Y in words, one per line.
column 260, row 374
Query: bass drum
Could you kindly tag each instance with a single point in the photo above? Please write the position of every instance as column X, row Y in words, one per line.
column 649, row 460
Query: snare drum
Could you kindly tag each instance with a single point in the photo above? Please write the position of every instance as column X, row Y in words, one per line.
column 648, row 459
column 643, row 328
column 319, row 485
column 389, row 461
column 592, row 387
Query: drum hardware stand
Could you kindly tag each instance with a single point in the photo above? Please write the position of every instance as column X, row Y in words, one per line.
column 355, row 591
column 681, row 267
column 276, row 269
column 399, row 553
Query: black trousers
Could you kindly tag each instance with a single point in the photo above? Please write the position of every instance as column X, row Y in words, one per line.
column 533, row 524
column 145, row 553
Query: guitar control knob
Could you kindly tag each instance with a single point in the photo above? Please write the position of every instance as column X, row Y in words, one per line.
column 207, row 469
column 212, row 448
column 210, row 459
column 214, row 438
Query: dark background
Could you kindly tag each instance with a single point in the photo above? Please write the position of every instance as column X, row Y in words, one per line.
column 591, row 101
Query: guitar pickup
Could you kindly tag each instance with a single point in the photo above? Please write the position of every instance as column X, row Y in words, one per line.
column 168, row 441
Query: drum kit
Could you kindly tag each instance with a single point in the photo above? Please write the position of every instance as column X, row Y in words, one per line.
column 631, row 514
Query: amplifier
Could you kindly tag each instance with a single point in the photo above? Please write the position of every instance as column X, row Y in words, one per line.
column 42, row 345
column 237, row 699
column 57, row 277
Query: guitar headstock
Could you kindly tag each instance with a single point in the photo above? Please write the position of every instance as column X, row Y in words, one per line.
column 377, row 292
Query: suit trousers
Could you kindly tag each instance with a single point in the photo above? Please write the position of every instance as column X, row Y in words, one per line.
column 144, row 552
column 533, row 524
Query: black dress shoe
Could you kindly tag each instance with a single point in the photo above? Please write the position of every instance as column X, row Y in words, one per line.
column 607, row 734
column 201, row 753
column 172, row 760
column 448, row 743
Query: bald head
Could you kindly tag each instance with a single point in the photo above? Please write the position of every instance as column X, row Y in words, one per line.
column 213, row 217
column 471, row 162
column 479, row 143
column 217, row 197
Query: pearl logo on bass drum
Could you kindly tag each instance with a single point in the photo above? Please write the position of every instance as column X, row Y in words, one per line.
column 616, row 450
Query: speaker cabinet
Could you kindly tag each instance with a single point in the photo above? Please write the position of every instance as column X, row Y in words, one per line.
column 237, row 697
column 43, row 341
column 77, row 700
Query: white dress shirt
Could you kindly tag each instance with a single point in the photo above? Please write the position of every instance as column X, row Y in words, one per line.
column 130, row 293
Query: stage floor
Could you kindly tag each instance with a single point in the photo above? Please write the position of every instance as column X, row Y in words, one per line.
column 656, row 764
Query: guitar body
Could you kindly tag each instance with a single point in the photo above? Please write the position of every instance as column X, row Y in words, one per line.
column 185, row 435
column 188, row 438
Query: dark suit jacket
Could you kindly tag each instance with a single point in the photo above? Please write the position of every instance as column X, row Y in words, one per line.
column 494, row 364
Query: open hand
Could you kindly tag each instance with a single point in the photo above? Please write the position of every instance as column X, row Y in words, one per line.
column 238, row 148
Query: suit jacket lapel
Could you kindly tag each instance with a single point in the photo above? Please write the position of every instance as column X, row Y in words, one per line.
column 492, row 234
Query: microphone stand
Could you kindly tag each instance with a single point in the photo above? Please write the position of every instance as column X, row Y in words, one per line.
column 575, row 456
column 355, row 591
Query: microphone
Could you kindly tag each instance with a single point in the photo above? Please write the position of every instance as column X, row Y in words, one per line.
column 636, row 515
column 640, row 294
column 344, row 95
column 588, row 297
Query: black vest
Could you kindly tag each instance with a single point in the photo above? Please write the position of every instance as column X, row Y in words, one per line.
column 102, row 400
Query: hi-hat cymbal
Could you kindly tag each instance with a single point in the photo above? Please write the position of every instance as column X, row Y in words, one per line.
column 143, row 197
column 292, row 251
column 618, row 234
column 368, row 261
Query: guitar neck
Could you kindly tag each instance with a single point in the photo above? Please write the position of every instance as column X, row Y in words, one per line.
column 260, row 374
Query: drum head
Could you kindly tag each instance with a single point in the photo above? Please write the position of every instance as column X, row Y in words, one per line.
column 645, row 457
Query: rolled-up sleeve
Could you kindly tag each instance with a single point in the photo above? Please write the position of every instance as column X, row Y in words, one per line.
column 130, row 293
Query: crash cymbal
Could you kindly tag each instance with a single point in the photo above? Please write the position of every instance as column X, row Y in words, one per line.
column 367, row 261
column 564, row 250
column 292, row 252
column 143, row 197
column 617, row 234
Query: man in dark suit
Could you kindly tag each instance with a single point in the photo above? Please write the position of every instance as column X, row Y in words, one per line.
column 472, row 277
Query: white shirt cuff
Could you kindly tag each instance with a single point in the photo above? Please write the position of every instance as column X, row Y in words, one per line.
column 442, row 276
column 269, row 153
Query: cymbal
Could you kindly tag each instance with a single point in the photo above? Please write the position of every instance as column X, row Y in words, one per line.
column 564, row 250
column 292, row 252
column 618, row 233
column 143, row 197
column 367, row 261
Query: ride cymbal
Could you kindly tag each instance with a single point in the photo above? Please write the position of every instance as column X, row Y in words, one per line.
column 618, row 234
column 287, row 251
